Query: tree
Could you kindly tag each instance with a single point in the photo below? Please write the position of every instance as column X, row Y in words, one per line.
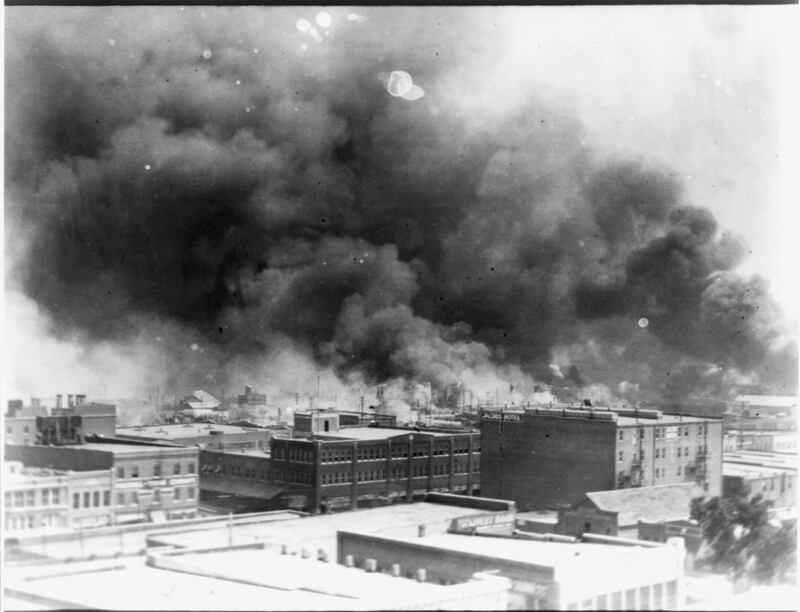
column 742, row 538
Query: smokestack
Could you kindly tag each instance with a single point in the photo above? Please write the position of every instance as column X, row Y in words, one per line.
column 248, row 390
column 14, row 406
column 58, row 401
column 70, row 401
column 80, row 400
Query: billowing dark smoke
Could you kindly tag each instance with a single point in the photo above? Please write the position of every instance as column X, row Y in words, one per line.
column 174, row 171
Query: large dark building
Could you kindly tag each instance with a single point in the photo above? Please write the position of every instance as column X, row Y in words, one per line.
column 350, row 468
column 542, row 458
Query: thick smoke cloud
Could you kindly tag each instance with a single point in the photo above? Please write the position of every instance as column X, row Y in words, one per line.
column 190, row 180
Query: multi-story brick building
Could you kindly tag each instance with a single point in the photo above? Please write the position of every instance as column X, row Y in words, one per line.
column 545, row 457
column 27, row 424
column 350, row 468
column 148, row 482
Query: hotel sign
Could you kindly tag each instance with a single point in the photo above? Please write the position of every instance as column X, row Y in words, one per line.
column 500, row 416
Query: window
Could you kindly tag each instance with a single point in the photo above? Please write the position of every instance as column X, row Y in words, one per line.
column 96, row 498
column 177, row 468
column 120, row 499
column 641, row 434
column 55, row 495
column 686, row 432
column 87, row 499
column 621, row 455
column 177, row 494
column 76, row 500
column 9, row 429
column 658, row 472
column 45, row 497
column 641, row 455
column 686, row 451
column 135, row 471
column 120, row 472
column 106, row 498
column 135, row 497
column 26, row 429
column 621, row 435
column 157, row 469
column 679, row 451
column 190, row 492
column 156, row 496
column 30, row 498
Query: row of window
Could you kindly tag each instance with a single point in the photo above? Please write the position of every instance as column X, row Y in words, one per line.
column 91, row 499
column 661, row 432
column 661, row 453
column 397, row 472
column 681, row 470
column 27, row 499
column 132, row 497
column 18, row 523
column 157, row 470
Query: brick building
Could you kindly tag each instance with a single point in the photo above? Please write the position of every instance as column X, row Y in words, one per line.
column 147, row 482
column 542, row 458
column 350, row 468
column 93, row 418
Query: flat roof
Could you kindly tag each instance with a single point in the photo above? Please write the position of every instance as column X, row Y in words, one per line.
column 751, row 471
column 381, row 433
column 243, row 579
column 541, row 516
column 533, row 552
column 186, row 430
column 666, row 419
column 126, row 449
column 778, row 460
column 319, row 531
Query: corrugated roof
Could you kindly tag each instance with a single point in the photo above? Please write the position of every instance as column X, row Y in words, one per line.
column 658, row 503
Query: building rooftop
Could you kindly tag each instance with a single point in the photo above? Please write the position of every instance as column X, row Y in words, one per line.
column 666, row 419
column 539, row 516
column 243, row 579
column 125, row 449
column 784, row 461
column 379, row 433
column 319, row 531
column 657, row 503
column 186, row 430
column 532, row 552
column 747, row 471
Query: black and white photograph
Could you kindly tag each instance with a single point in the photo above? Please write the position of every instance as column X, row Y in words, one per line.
column 400, row 307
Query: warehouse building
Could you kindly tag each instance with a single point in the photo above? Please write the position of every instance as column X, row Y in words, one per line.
column 344, row 468
column 544, row 457
column 545, row 575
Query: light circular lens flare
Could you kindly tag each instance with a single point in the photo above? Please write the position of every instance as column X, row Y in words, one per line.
column 324, row 20
column 399, row 83
column 207, row 54
column 643, row 322
column 304, row 25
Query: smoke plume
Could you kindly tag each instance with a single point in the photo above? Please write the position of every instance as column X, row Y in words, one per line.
column 246, row 201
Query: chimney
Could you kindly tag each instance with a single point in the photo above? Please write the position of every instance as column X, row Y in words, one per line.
column 58, row 401
column 248, row 390
column 80, row 400
column 70, row 401
column 14, row 406
column 422, row 575
column 36, row 402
